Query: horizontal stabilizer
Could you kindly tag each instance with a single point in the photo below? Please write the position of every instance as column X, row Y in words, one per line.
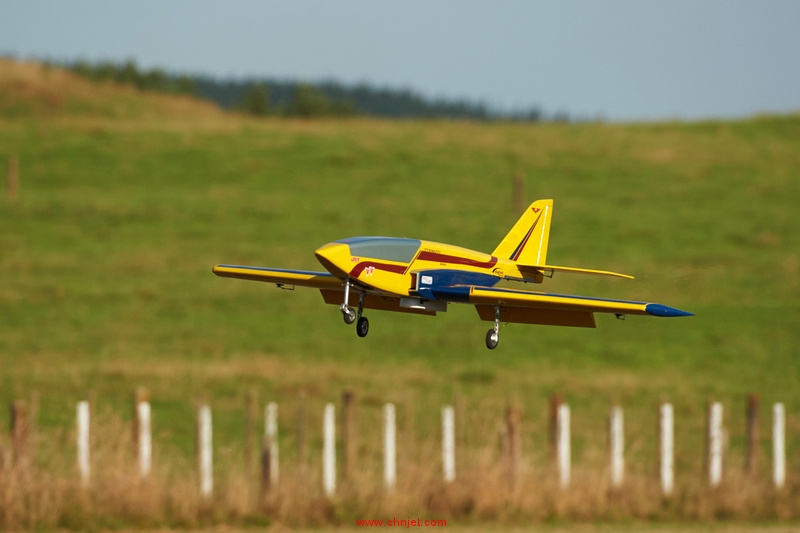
column 549, row 270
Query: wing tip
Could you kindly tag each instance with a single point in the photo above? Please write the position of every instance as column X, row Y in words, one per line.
column 219, row 269
column 665, row 311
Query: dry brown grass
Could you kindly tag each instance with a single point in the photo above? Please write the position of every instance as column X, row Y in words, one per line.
column 33, row 89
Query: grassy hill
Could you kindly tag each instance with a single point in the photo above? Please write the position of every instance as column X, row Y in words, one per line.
column 127, row 200
column 29, row 89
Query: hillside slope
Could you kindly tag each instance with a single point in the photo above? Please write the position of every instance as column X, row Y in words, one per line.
column 33, row 89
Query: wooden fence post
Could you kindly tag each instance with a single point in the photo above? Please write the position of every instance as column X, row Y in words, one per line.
column 269, row 449
column 778, row 445
column 33, row 424
column 204, row 451
column 329, row 450
column 389, row 447
column 555, row 401
column 752, row 435
column 448, row 444
column 714, row 444
column 249, row 429
column 348, row 433
column 666, row 448
column 512, row 442
column 616, row 440
column 84, row 464
column 19, row 433
column 301, row 430
column 408, row 435
column 564, row 447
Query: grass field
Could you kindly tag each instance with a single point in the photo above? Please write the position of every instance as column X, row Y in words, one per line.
column 592, row 528
column 126, row 204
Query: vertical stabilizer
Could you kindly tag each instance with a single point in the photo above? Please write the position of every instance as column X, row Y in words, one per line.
column 526, row 243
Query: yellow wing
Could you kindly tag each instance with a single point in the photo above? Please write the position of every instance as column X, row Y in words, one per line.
column 531, row 307
column 280, row 276
column 330, row 286
column 557, row 309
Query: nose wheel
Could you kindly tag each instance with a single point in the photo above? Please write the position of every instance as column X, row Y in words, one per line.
column 350, row 316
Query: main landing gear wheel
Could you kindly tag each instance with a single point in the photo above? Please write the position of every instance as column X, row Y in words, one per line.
column 362, row 328
column 492, row 338
column 493, row 335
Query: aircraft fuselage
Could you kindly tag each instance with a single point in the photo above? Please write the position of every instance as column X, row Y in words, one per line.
column 407, row 267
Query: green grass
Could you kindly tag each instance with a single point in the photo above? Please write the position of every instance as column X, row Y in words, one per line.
column 106, row 269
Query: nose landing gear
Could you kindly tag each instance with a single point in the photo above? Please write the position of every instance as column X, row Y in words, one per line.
column 350, row 316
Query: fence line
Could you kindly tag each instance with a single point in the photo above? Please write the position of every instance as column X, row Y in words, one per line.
column 752, row 435
column 715, row 444
column 348, row 433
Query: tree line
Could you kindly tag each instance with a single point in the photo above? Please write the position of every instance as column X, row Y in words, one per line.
column 272, row 97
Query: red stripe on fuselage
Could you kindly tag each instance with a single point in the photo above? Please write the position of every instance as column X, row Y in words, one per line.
column 359, row 268
column 456, row 260
column 424, row 256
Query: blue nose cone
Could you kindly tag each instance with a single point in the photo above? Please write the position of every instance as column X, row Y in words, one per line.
column 665, row 311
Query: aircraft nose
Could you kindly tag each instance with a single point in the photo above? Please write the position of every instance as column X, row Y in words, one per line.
column 334, row 256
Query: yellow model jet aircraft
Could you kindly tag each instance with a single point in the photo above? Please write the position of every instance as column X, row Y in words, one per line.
column 415, row 276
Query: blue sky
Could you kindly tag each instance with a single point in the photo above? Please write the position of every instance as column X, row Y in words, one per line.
column 620, row 60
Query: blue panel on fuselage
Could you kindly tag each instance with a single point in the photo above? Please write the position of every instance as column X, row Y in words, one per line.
column 451, row 285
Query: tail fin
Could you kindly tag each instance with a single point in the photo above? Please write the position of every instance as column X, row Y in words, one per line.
column 526, row 243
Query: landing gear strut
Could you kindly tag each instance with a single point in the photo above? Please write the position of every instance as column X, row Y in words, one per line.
column 350, row 316
column 493, row 335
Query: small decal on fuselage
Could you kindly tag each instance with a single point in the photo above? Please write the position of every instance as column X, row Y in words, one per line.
column 355, row 259
column 427, row 280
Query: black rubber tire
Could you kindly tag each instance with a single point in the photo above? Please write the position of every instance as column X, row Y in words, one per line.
column 362, row 327
column 349, row 317
column 491, row 339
